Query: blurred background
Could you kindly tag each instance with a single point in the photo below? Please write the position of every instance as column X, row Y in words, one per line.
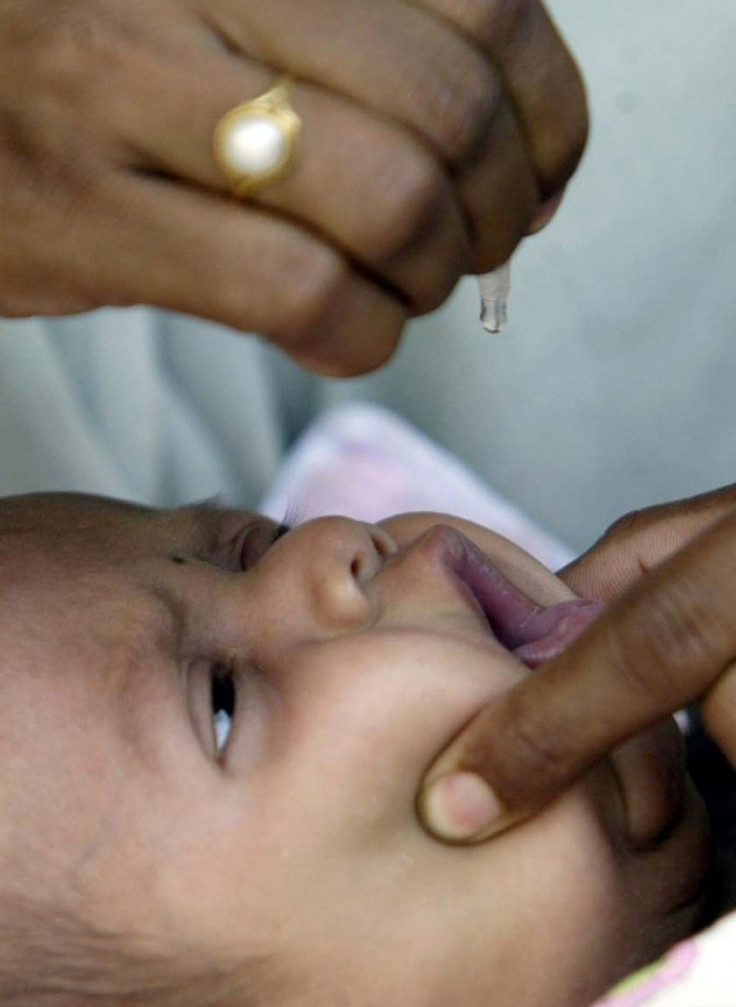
column 613, row 387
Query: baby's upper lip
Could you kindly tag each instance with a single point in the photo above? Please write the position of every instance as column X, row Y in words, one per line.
column 534, row 633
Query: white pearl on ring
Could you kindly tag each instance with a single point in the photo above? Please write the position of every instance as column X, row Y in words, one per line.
column 254, row 146
column 256, row 142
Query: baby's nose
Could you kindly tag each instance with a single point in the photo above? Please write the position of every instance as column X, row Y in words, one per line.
column 340, row 558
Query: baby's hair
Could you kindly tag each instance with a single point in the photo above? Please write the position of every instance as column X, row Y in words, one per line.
column 48, row 958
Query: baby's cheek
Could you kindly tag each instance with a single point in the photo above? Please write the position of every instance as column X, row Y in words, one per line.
column 359, row 748
column 569, row 875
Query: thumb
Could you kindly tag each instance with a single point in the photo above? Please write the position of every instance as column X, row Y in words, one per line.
column 657, row 648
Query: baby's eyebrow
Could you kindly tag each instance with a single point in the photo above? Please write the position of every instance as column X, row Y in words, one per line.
column 208, row 520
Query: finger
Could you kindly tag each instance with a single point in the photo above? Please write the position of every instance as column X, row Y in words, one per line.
column 370, row 188
column 499, row 193
column 638, row 541
column 175, row 247
column 539, row 75
column 419, row 71
column 158, row 66
column 658, row 648
column 405, row 64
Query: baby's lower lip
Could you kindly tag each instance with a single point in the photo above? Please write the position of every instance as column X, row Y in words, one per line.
column 549, row 631
column 533, row 633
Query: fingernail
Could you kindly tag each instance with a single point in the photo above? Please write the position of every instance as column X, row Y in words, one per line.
column 459, row 807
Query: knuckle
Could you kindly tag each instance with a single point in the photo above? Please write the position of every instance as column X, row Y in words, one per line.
column 460, row 97
column 523, row 26
column 314, row 294
column 625, row 527
column 76, row 46
column 662, row 646
column 638, row 524
column 356, row 339
column 493, row 21
column 432, row 288
column 630, row 537
column 537, row 754
column 409, row 197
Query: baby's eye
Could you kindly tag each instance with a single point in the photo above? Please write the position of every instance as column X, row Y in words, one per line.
column 257, row 540
column 224, row 699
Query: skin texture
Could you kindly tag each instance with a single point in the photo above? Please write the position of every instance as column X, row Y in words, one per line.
column 434, row 135
column 668, row 639
column 356, row 653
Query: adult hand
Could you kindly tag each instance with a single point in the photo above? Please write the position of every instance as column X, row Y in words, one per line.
column 668, row 640
column 435, row 134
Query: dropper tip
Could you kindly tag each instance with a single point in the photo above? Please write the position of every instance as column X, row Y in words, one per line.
column 494, row 292
column 494, row 314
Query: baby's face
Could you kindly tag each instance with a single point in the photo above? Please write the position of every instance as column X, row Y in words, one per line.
column 349, row 656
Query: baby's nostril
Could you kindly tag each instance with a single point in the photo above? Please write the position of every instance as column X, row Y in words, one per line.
column 383, row 544
column 371, row 555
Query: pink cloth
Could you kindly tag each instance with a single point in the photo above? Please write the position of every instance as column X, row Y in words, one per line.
column 365, row 462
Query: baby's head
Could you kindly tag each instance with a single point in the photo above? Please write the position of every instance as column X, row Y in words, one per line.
column 154, row 850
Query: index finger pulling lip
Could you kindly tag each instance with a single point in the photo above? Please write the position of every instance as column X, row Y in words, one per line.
column 531, row 742
column 656, row 649
column 455, row 802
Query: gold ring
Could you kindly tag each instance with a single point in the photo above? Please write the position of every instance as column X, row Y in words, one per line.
column 256, row 143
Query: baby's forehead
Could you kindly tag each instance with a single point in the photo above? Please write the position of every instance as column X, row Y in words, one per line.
column 42, row 574
column 88, row 660
column 86, row 524
column 83, row 579
column 76, row 622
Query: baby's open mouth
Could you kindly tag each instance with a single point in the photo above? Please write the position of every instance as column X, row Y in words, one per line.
column 532, row 632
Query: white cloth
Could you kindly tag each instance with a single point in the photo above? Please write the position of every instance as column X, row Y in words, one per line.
column 151, row 407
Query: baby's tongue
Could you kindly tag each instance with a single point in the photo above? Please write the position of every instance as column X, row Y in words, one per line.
column 548, row 631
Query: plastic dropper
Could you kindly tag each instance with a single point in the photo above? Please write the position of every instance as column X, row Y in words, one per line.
column 494, row 294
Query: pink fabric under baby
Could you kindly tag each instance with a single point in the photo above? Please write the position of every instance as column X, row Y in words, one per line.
column 365, row 462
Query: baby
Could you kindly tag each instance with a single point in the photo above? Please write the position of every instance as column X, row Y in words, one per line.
column 212, row 731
